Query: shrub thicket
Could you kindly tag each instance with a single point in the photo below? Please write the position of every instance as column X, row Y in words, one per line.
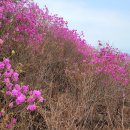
column 84, row 88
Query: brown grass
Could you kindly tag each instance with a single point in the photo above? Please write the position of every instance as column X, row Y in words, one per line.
column 76, row 99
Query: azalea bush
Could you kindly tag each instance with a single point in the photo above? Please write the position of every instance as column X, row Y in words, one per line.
column 25, row 22
column 14, row 94
column 84, row 87
column 112, row 62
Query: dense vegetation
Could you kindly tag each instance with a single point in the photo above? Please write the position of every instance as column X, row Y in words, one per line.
column 70, row 85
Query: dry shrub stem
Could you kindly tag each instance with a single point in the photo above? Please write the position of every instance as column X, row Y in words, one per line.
column 75, row 99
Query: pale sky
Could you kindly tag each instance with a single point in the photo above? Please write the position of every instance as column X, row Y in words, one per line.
column 105, row 20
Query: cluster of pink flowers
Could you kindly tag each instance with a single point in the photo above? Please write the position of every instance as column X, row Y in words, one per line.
column 111, row 62
column 20, row 93
column 11, row 123
column 25, row 21
column 17, row 94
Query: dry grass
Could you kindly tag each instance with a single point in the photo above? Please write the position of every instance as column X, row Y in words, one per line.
column 76, row 99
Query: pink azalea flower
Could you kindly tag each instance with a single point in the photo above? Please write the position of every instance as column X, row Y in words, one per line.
column 25, row 88
column 8, row 66
column 2, row 65
column 20, row 99
column 15, row 76
column 7, row 74
column 8, row 93
column 6, row 61
column 17, row 86
column 31, row 107
column 15, row 92
column 36, row 93
column 6, row 80
column 9, row 86
column 31, row 99
column 11, row 71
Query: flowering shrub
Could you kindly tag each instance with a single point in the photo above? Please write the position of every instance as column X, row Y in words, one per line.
column 110, row 62
column 25, row 22
column 63, row 54
column 15, row 93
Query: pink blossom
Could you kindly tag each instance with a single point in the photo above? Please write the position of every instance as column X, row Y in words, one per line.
column 20, row 99
column 2, row 65
column 15, row 76
column 8, row 66
column 6, row 61
column 8, row 93
column 17, row 86
column 6, row 80
column 9, row 86
column 7, row 74
column 15, row 92
column 11, row 71
column 31, row 99
column 36, row 93
column 31, row 107
column 25, row 88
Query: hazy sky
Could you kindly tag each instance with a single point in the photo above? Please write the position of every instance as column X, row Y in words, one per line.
column 105, row 20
